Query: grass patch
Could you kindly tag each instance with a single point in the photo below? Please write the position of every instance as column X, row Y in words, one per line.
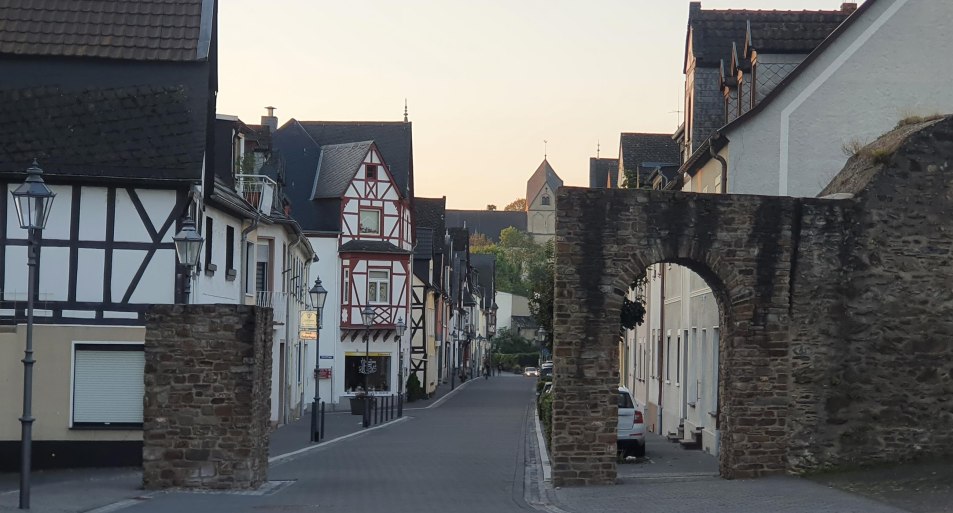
column 916, row 120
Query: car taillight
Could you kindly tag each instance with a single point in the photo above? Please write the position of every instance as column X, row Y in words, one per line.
column 637, row 418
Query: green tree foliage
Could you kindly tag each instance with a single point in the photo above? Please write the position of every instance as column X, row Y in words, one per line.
column 508, row 341
column 518, row 258
column 414, row 390
column 542, row 281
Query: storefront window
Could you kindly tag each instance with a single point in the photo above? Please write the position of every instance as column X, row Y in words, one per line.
column 377, row 367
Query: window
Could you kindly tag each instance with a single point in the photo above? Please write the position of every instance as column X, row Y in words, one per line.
column 262, row 267
column 545, row 199
column 678, row 360
column 378, row 287
column 376, row 367
column 230, row 250
column 209, row 266
column 370, row 222
column 371, row 172
column 108, row 385
column 346, row 293
column 249, row 267
column 668, row 358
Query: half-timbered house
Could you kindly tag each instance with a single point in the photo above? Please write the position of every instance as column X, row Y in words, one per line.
column 426, row 329
column 350, row 186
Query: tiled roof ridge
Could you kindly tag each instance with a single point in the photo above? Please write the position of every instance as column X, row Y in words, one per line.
column 774, row 11
column 396, row 123
column 347, row 144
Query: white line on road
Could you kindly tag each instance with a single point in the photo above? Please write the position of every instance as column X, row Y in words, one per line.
column 282, row 457
column 543, row 453
column 438, row 402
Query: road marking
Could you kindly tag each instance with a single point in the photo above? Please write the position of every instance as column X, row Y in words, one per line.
column 442, row 399
column 282, row 457
column 543, row 452
column 116, row 506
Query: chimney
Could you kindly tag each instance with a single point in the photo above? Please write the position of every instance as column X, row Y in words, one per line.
column 270, row 120
column 848, row 7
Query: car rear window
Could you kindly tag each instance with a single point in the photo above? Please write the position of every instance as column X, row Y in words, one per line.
column 625, row 401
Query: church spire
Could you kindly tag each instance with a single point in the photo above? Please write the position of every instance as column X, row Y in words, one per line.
column 405, row 110
column 598, row 147
column 545, row 149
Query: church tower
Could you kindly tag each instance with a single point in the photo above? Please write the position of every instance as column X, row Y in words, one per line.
column 541, row 202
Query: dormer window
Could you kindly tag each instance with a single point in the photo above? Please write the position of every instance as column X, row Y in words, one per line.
column 545, row 200
column 371, row 172
column 370, row 222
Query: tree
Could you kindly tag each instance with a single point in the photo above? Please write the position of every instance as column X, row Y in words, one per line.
column 491, row 207
column 542, row 281
column 518, row 205
column 479, row 242
column 507, row 341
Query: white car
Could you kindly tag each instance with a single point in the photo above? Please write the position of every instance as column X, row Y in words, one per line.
column 530, row 371
column 630, row 434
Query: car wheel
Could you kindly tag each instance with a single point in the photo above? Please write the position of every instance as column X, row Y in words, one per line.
column 639, row 451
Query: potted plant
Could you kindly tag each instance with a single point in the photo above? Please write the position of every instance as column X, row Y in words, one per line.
column 357, row 401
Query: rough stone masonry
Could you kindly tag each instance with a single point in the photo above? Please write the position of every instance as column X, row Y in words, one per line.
column 208, row 396
column 837, row 314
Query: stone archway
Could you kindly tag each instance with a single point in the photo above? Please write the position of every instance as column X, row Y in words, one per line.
column 741, row 246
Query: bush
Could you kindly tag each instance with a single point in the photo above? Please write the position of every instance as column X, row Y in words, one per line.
column 545, row 407
column 414, row 390
column 541, row 382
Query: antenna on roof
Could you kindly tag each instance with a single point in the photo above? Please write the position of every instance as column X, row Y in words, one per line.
column 598, row 147
column 545, row 149
column 405, row 110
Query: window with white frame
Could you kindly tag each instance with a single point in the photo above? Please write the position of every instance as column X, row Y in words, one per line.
column 346, row 292
column 370, row 222
column 378, row 287
column 108, row 385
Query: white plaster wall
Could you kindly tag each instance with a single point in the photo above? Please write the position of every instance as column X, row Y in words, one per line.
column 328, row 268
column 217, row 288
column 888, row 65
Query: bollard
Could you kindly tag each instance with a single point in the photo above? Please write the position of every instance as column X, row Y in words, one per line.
column 367, row 411
column 400, row 405
column 377, row 406
column 322, row 420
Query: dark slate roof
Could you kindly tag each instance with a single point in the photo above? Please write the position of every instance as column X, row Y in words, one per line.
column 640, row 151
column 486, row 274
column 142, row 30
column 487, row 222
column 713, row 32
column 141, row 132
column 544, row 174
column 394, row 140
column 459, row 238
column 431, row 213
column 601, row 171
column 424, row 248
column 370, row 246
column 297, row 154
column 336, row 168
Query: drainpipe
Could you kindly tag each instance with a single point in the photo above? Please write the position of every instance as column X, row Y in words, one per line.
column 724, row 163
column 244, row 257
column 661, row 346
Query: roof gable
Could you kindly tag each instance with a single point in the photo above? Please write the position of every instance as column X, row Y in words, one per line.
column 636, row 149
column 603, row 173
column 143, row 30
column 337, row 167
column 394, row 141
column 544, row 175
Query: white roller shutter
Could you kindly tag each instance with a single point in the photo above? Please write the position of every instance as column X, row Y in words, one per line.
column 108, row 386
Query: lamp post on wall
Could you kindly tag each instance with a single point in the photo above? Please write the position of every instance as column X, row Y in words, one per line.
column 367, row 317
column 33, row 200
column 318, row 296
column 188, row 246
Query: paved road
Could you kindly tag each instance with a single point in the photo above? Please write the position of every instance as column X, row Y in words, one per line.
column 466, row 455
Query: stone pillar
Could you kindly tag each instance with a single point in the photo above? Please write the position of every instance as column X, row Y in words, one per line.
column 206, row 417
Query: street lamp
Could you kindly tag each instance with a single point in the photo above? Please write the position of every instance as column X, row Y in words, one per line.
column 318, row 296
column 188, row 245
column 401, row 328
column 33, row 200
column 367, row 317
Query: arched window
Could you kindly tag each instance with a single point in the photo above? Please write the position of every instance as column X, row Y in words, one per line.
column 545, row 199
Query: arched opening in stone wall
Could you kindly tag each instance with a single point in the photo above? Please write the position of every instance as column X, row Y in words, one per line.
column 670, row 362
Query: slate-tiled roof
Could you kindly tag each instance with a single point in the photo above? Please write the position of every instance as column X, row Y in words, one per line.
column 601, row 171
column 430, row 213
column 714, row 31
column 394, row 140
column 336, row 168
column 370, row 246
column 143, row 30
column 486, row 277
column 638, row 149
column 487, row 222
column 141, row 132
column 544, row 174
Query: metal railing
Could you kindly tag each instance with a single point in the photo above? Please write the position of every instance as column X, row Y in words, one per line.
column 259, row 190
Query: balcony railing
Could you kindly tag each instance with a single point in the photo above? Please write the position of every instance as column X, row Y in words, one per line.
column 279, row 303
column 259, row 190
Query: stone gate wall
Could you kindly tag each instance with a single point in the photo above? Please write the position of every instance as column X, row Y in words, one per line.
column 837, row 314
column 208, row 396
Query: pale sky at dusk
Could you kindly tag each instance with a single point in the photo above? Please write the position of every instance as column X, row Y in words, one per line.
column 486, row 80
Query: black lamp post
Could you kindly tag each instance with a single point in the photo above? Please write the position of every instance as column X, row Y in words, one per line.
column 318, row 296
column 367, row 317
column 188, row 246
column 33, row 200
column 401, row 327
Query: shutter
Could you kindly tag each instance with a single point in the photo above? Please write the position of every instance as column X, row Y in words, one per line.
column 108, row 386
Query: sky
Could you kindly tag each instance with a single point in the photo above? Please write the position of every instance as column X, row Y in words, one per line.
column 486, row 81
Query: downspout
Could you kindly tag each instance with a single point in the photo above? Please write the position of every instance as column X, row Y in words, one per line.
column 244, row 256
column 724, row 163
column 661, row 345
